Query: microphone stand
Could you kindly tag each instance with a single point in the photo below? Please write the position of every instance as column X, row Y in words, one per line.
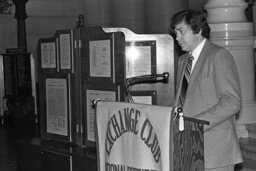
column 154, row 78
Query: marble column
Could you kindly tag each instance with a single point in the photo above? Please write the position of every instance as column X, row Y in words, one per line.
column 230, row 29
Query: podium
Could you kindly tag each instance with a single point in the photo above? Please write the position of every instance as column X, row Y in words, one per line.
column 147, row 137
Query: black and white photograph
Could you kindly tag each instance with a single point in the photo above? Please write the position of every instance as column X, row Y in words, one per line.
column 127, row 85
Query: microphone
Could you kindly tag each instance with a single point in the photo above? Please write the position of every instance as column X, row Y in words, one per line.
column 148, row 78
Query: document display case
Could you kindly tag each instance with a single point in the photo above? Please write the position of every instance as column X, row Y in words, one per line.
column 75, row 66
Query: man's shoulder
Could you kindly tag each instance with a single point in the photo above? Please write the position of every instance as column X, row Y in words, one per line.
column 217, row 52
column 213, row 47
column 212, row 44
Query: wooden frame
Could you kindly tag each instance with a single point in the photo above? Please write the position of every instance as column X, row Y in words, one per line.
column 55, row 107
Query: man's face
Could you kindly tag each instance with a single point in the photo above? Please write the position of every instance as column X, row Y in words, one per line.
column 187, row 40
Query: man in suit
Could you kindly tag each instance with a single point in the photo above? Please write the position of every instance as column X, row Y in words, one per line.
column 213, row 90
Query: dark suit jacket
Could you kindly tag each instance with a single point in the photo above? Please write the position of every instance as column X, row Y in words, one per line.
column 214, row 95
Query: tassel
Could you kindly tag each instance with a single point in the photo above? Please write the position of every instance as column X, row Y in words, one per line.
column 181, row 122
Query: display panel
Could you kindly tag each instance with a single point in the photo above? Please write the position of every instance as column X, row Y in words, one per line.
column 86, row 59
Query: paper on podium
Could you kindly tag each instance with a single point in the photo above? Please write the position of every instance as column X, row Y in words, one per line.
column 133, row 136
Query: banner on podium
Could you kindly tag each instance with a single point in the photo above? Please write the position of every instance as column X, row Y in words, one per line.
column 133, row 137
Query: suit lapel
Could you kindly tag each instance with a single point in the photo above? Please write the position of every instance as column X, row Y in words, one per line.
column 198, row 66
column 181, row 71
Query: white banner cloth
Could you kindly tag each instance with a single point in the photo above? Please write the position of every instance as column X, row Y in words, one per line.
column 133, row 137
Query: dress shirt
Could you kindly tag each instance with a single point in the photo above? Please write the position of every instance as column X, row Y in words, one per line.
column 196, row 52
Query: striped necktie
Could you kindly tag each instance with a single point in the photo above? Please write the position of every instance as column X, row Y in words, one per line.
column 185, row 80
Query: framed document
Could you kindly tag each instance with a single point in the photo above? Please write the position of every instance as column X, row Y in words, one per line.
column 55, row 107
column 94, row 92
column 144, row 97
column 65, row 42
column 140, row 58
column 100, row 58
column 48, row 54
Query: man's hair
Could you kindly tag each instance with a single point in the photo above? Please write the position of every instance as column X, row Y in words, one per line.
column 195, row 19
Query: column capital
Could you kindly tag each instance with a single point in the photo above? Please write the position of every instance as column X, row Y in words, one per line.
column 20, row 9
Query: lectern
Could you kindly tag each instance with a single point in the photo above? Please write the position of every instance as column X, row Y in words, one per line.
column 147, row 137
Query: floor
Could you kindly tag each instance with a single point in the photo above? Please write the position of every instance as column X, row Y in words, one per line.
column 7, row 151
column 8, row 135
column 26, row 129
